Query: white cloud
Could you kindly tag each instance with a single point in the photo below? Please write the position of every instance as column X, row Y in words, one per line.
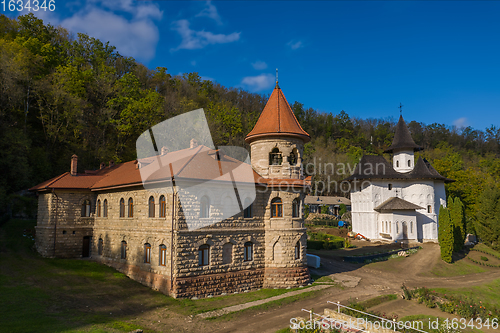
column 460, row 122
column 294, row 45
column 259, row 65
column 192, row 39
column 136, row 36
column 210, row 11
column 259, row 82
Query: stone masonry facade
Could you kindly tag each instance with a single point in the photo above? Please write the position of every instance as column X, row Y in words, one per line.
column 143, row 232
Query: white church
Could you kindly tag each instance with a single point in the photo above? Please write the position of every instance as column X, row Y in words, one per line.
column 398, row 202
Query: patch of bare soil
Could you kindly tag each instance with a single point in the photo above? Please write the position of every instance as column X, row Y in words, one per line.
column 340, row 232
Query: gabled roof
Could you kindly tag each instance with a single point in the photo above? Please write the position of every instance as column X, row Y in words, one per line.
column 277, row 118
column 326, row 200
column 396, row 203
column 377, row 167
column 194, row 164
column 402, row 138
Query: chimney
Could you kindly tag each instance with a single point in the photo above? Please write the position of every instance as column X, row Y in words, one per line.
column 164, row 150
column 102, row 166
column 74, row 163
column 193, row 143
column 111, row 163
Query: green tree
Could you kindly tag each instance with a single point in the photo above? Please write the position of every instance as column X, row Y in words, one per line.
column 488, row 217
column 458, row 222
column 342, row 209
column 445, row 235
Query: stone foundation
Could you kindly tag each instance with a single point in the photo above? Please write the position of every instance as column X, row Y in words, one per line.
column 153, row 280
column 216, row 284
column 286, row 277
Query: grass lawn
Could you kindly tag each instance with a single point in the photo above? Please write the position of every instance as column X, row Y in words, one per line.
column 459, row 267
column 487, row 249
column 71, row 295
column 485, row 293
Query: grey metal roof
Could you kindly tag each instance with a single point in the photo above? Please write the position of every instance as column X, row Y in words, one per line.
column 377, row 167
column 326, row 200
column 402, row 138
column 396, row 203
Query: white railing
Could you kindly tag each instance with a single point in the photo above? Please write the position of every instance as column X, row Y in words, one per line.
column 393, row 322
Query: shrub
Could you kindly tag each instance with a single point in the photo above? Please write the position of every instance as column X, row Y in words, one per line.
column 484, row 258
column 314, row 244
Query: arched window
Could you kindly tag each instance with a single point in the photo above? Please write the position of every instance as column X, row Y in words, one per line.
column 163, row 255
column 227, row 253
column 204, row 207
column 124, row 250
column 411, row 227
column 389, row 187
column 163, row 207
column 292, row 159
column 98, row 208
column 105, row 208
column 390, row 226
column 86, row 208
column 147, row 253
column 296, row 208
column 204, row 255
column 100, row 246
column 248, row 255
column 151, row 206
column 382, row 226
column 275, row 157
column 429, row 209
column 397, row 227
column 297, row 250
column 386, row 226
column 130, row 207
column 276, row 208
column 122, row 207
column 409, row 163
column 247, row 213
column 397, row 164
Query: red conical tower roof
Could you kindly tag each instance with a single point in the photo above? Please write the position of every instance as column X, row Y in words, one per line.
column 277, row 118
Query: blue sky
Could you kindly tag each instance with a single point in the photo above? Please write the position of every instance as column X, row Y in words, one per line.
column 441, row 60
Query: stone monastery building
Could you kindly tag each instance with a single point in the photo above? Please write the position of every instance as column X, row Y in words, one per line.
column 398, row 202
column 109, row 216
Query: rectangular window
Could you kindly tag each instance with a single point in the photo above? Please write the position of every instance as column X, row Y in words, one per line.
column 203, row 255
column 248, row 254
column 429, row 209
column 163, row 255
column 147, row 253
column 124, row 250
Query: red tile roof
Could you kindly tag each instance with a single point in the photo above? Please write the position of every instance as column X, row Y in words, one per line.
column 196, row 164
column 277, row 118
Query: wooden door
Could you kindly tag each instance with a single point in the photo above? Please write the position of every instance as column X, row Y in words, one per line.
column 86, row 247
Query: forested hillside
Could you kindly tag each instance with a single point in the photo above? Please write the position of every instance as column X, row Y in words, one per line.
column 63, row 94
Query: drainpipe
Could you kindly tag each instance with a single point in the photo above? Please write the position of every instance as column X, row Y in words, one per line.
column 55, row 222
column 172, row 231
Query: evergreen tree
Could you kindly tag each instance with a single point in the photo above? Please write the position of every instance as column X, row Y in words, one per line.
column 457, row 221
column 488, row 217
column 445, row 235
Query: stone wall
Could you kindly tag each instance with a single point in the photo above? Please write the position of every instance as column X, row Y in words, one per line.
column 60, row 218
column 216, row 284
column 261, row 148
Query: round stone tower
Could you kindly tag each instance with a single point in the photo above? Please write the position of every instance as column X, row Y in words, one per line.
column 277, row 144
column 277, row 140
